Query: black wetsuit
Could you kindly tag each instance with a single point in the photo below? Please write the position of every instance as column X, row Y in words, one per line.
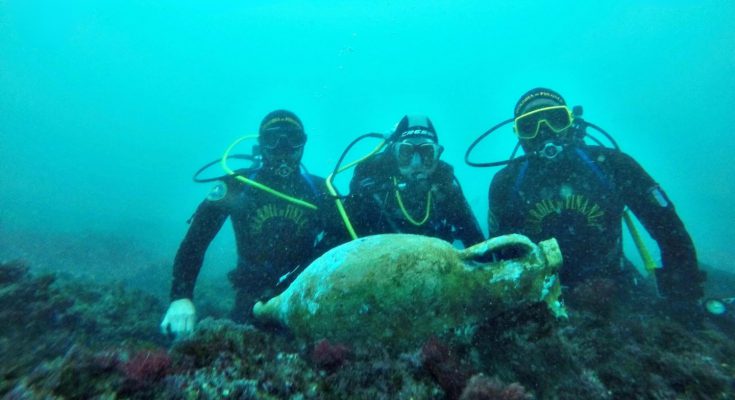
column 273, row 236
column 579, row 198
column 373, row 206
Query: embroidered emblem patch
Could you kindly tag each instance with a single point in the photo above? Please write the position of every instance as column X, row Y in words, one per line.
column 659, row 197
column 218, row 192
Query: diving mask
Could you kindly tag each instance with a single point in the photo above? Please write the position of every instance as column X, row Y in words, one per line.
column 528, row 125
column 281, row 138
column 427, row 153
column 282, row 150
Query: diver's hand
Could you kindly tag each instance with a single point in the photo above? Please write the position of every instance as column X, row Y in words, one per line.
column 180, row 318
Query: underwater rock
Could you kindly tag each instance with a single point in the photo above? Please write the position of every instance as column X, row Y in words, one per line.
column 398, row 289
column 481, row 387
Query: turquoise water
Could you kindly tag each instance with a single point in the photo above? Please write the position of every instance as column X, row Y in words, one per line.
column 107, row 108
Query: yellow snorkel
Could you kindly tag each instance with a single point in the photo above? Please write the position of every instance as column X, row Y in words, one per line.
column 229, row 171
column 339, row 169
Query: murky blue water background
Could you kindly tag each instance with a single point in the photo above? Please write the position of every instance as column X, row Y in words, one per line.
column 107, row 108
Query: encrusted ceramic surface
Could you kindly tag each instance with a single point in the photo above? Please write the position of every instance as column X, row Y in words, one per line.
column 400, row 289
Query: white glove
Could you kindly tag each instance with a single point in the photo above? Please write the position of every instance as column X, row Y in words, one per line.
column 180, row 318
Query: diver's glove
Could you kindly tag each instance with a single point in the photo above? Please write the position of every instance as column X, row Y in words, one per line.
column 179, row 319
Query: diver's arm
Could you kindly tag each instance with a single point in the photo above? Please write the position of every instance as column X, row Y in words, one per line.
column 180, row 317
column 367, row 189
column 465, row 222
column 680, row 277
column 333, row 226
column 497, row 218
column 207, row 221
column 369, row 176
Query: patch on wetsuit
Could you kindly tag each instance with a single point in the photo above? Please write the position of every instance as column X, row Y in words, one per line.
column 659, row 197
column 218, row 192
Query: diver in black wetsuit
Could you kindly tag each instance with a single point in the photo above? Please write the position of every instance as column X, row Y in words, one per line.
column 276, row 237
column 577, row 194
column 407, row 189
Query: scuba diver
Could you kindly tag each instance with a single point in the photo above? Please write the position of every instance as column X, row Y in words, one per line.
column 406, row 188
column 578, row 193
column 282, row 221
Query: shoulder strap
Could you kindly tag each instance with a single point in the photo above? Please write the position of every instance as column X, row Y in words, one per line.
column 520, row 177
column 312, row 186
column 604, row 179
